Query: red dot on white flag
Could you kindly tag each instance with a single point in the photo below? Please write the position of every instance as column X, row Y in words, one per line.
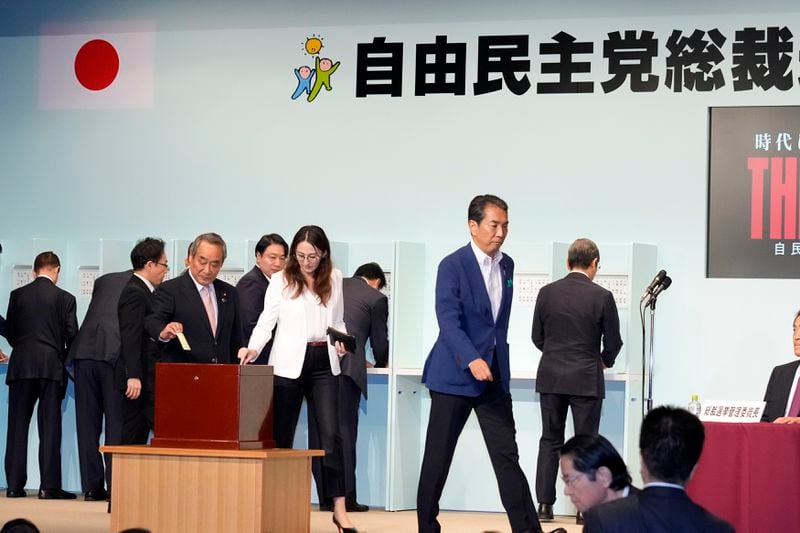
column 96, row 64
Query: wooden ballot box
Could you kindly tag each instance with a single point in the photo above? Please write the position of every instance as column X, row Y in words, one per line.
column 213, row 406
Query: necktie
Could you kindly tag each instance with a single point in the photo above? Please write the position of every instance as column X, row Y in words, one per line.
column 209, row 305
column 794, row 410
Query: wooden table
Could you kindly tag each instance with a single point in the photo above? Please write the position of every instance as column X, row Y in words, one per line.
column 176, row 490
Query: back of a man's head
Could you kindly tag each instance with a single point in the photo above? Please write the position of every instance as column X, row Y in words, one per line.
column 671, row 441
column 19, row 525
column 46, row 261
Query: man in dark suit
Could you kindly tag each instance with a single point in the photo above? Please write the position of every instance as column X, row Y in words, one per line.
column 199, row 307
column 782, row 395
column 593, row 472
column 366, row 314
column 139, row 351
column 41, row 325
column 93, row 357
column 271, row 252
column 468, row 367
column 670, row 443
column 573, row 317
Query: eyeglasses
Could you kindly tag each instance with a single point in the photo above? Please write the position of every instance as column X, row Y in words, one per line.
column 165, row 265
column 311, row 258
column 571, row 479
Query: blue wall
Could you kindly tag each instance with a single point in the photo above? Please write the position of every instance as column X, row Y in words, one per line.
column 223, row 148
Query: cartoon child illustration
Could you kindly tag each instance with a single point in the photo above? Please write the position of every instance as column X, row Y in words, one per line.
column 305, row 75
column 325, row 69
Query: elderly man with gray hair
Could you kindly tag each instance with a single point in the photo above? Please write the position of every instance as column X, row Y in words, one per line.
column 576, row 326
column 199, row 307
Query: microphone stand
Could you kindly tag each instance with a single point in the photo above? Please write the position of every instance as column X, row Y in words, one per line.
column 649, row 400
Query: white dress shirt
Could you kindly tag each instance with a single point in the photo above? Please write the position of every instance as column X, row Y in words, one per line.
column 145, row 281
column 492, row 277
column 211, row 292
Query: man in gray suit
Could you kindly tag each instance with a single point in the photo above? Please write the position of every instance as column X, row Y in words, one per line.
column 366, row 313
column 93, row 356
column 576, row 326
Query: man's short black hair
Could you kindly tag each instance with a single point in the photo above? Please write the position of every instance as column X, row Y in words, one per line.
column 270, row 239
column 582, row 253
column 146, row 250
column 590, row 452
column 46, row 260
column 671, row 441
column 19, row 525
column 371, row 271
column 477, row 207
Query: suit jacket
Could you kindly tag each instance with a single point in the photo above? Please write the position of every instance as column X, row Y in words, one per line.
column 572, row 317
column 252, row 287
column 178, row 300
column 291, row 335
column 41, row 325
column 656, row 510
column 467, row 330
column 2, row 326
column 366, row 314
column 778, row 390
column 139, row 351
column 98, row 337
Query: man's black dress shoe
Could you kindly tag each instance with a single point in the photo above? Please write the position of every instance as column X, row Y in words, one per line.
column 55, row 494
column 16, row 493
column 545, row 512
column 355, row 507
column 99, row 495
column 558, row 530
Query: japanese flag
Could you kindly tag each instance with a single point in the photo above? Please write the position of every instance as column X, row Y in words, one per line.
column 99, row 65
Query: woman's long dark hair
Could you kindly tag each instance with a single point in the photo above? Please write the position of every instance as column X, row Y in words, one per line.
column 315, row 236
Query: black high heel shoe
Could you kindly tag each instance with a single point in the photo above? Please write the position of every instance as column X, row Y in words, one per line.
column 343, row 529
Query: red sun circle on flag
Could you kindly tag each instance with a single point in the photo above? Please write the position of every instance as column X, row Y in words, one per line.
column 96, row 64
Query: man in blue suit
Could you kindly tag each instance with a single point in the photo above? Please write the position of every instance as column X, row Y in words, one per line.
column 468, row 368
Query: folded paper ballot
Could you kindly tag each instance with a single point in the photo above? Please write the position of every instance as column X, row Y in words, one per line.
column 346, row 339
column 184, row 342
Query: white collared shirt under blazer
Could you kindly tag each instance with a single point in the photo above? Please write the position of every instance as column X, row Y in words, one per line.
column 291, row 316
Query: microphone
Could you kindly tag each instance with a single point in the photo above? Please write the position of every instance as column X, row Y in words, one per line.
column 655, row 283
column 661, row 287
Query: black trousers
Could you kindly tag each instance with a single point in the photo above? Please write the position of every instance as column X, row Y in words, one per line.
column 448, row 415
column 349, row 402
column 137, row 417
column 97, row 399
column 22, row 397
column 585, row 419
column 321, row 390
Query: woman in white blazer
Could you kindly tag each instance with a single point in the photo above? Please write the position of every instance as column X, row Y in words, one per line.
column 303, row 300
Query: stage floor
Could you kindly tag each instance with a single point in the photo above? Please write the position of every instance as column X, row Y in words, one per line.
column 71, row 516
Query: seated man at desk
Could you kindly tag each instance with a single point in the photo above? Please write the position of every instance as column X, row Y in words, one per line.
column 782, row 396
